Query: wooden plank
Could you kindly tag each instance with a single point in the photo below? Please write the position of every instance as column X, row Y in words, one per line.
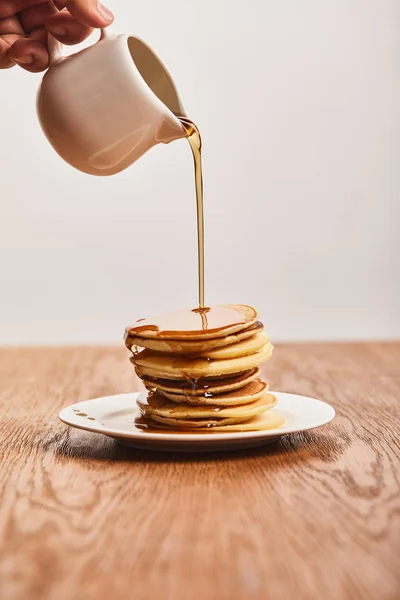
column 315, row 516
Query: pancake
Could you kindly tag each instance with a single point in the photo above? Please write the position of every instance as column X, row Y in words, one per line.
column 197, row 324
column 215, row 386
column 242, row 348
column 248, row 393
column 201, row 370
column 266, row 421
column 192, row 346
column 167, row 366
column 155, row 404
column 204, row 424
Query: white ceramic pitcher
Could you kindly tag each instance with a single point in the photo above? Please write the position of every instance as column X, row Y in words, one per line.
column 105, row 106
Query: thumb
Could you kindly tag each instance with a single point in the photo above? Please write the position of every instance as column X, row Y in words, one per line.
column 87, row 12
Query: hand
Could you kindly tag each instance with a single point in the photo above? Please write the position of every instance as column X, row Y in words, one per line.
column 24, row 25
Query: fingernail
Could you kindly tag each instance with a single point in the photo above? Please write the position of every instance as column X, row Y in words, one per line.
column 105, row 13
column 24, row 60
column 61, row 31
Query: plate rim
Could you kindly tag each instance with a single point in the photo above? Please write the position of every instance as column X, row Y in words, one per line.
column 190, row 437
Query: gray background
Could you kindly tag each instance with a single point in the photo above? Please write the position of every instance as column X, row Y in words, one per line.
column 298, row 104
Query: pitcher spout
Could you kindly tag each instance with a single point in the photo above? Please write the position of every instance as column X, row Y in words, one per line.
column 169, row 130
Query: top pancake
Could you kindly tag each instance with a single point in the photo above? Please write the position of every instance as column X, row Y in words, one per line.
column 197, row 324
column 192, row 346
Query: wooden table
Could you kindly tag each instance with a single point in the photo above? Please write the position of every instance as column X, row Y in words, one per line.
column 314, row 517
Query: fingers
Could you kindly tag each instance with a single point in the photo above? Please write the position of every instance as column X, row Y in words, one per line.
column 10, row 32
column 65, row 28
column 21, row 17
column 8, row 8
column 30, row 54
column 36, row 16
column 11, row 25
column 6, row 41
column 88, row 12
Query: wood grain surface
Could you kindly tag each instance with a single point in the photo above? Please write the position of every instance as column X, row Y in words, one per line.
column 314, row 516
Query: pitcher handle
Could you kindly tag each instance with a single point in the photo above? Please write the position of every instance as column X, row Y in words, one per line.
column 55, row 47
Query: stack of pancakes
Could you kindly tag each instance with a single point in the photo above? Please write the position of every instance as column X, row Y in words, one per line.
column 201, row 370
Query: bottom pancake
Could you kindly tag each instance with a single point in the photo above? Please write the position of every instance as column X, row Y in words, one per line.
column 196, row 424
column 269, row 420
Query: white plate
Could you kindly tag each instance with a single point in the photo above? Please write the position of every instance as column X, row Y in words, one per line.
column 114, row 415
